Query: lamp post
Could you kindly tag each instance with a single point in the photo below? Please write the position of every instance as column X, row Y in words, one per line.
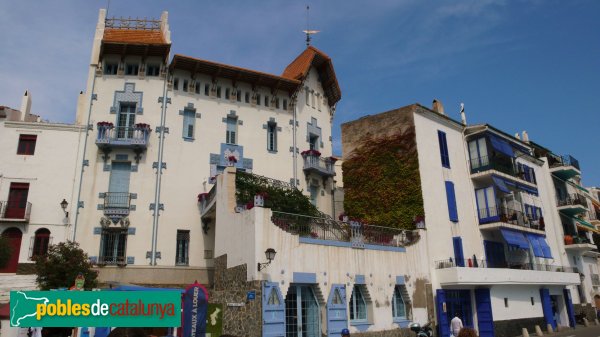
column 270, row 254
column 63, row 205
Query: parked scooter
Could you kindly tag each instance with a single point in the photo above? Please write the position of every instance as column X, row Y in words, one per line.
column 422, row 331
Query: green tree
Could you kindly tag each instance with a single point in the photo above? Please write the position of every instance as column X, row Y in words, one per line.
column 62, row 264
column 5, row 251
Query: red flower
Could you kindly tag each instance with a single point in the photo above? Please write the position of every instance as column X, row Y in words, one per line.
column 105, row 124
column 142, row 126
column 232, row 159
column 310, row 153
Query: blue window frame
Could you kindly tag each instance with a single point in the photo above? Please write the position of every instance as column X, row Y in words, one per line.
column 486, row 204
column 189, row 124
column 478, row 154
column 400, row 303
column 443, row 149
column 230, row 135
column 451, row 198
column 358, row 305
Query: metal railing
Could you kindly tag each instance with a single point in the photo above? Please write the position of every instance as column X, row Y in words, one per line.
column 323, row 165
column 15, row 210
column 572, row 199
column 564, row 160
column 500, row 164
column 509, row 216
column 123, row 136
column 117, row 200
column 206, row 199
column 130, row 23
column 112, row 247
column 329, row 229
column 477, row 263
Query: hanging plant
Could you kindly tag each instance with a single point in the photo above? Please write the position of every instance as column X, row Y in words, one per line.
column 105, row 124
column 314, row 153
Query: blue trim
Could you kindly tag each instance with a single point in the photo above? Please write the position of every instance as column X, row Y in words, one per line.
column 359, row 279
column 443, row 149
column 402, row 322
column 569, row 305
column 304, row 278
column 458, row 251
column 451, row 198
column 360, row 325
column 500, row 183
column 515, row 238
column 399, row 280
column 349, row 245
column 501, row 145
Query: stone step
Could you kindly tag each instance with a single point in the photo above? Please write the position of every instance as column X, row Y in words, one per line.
column 10, row 282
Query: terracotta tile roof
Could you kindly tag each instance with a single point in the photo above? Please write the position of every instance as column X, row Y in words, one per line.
column 133, row 36
column 313, row 57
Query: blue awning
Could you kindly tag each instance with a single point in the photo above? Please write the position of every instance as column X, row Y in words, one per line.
column 535, row 244
column 515, row 238
column 528, row 189
column 501, row 145
column 501, row 184
column 545, row 247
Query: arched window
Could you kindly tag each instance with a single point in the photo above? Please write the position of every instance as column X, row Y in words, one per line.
column 41, row 240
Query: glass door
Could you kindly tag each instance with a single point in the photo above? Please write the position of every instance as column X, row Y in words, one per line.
column 302, row 313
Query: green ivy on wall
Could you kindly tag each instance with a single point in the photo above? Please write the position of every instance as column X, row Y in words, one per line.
column 280, row 196
column 382, row 185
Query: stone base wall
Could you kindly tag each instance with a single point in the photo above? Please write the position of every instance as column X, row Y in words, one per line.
column 154, row 275
column 230, row 287
column 514, row 327
column 587, row 309
column 403, row 332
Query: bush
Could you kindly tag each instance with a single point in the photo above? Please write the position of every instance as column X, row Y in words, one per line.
column 5, row 251
column 62, row 264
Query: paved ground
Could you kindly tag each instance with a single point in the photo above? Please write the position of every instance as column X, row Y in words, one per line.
column 580, row 331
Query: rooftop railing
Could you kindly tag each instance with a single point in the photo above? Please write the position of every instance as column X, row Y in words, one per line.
column 509, row 216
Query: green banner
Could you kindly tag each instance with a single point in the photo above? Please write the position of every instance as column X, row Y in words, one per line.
column 95, row 309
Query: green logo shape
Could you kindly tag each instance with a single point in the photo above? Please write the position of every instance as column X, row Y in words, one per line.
column 95, row 308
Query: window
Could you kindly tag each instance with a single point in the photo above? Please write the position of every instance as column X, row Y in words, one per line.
column 319, row 102
column 152, row 70
column 125, row 120
column 285, row 104
column 17, row 206
column 307, row 96
column 258, row 99
column 189, row 121
column 206, row 90
column 26, row 144
column 486, row 204
column 110, row 68
column 41, row 240
column 312, row 97
column 218, row 92
column 443, row 149
column 247, row 97
column 131, row 69
column 358, row 305
column 113, row 244
column 277, row 103
column 231, row 130
column 272, row 136
column 238, row 95
column 451, row 198
column 185, row 85
column 197, row 88
column 398, row 303
column 266, row 100
column 183, row 247
column 313, row 142
column 506, row 302
column 227, row 93
column 176, row 83
column 478, row 154
column 532, row 301
column 314, row 193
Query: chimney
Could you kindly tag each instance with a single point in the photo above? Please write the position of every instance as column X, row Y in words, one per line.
column 525, row 137
column 25, row 105
column 517, row 136
column 463, row 116
column 438, row 107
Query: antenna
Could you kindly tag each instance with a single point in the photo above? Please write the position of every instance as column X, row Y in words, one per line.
column 107, row 7
column 308, row 32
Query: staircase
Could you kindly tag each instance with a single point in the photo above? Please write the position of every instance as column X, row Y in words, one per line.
column 10, row 282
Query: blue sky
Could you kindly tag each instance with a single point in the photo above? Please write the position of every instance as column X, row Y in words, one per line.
column 518, row 65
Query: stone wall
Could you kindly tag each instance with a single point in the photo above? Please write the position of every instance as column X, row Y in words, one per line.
column 514, row 327
column 241, row 317
column 404, row 332
column 587, row 308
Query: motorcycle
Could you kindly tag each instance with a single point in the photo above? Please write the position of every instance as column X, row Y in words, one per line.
column 422, row 331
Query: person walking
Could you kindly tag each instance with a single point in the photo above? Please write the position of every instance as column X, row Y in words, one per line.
column 455, row 325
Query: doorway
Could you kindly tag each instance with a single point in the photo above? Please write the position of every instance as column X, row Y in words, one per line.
column 458, row 302
column 14, row 236
column 302, row 312
column 17, row 201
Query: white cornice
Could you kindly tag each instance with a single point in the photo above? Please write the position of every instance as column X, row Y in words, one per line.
column 44, row 126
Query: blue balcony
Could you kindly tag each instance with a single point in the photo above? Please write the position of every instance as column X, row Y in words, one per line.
column 135, row 137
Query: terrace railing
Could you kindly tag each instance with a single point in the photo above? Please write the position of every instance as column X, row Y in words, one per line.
column 470, row 263
column 572, row 199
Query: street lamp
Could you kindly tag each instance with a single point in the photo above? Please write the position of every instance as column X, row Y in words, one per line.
column 63, row 205
column 270, row 254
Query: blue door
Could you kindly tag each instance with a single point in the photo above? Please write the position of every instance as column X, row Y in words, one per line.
column 442, row 315
column 485, row 320
column 547, row 307
column 569, row 304
column 118, row 187
column 494, row 254
column 273, row 311
column 337, row 312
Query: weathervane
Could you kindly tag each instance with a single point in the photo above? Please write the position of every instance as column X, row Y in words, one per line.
column 308, row 32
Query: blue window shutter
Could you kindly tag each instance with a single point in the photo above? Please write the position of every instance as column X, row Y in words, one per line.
column 458, row 251
column 442, row 315
column 547, row 307
column 485, row 319
column 451, row 198
column 443, row 149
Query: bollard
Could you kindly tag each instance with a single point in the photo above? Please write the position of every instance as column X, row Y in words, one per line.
column 596, row 321
column 538, row 331
column 549, row 328
column 525, row 332
column 586, row 323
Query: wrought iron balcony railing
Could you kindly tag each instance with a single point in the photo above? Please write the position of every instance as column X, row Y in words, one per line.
column 124, row 137
column 321, row 166
column 470, row 263
column 117, row 200
column 565, row 160
column 509, row 216
column 15, row 210
column 356, row 233
column 572, row 199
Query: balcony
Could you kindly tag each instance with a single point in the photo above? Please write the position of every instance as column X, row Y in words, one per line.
column 314, row 163
column 564, row 167
column 502, row 166
column 497, row 217
column 578, row 244
column 480, row 273
column 117, row 204
column 15, row 211
column 135, row 137
column 572, row 204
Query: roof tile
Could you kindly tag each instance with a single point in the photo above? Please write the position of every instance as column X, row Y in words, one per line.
column 140, row 36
